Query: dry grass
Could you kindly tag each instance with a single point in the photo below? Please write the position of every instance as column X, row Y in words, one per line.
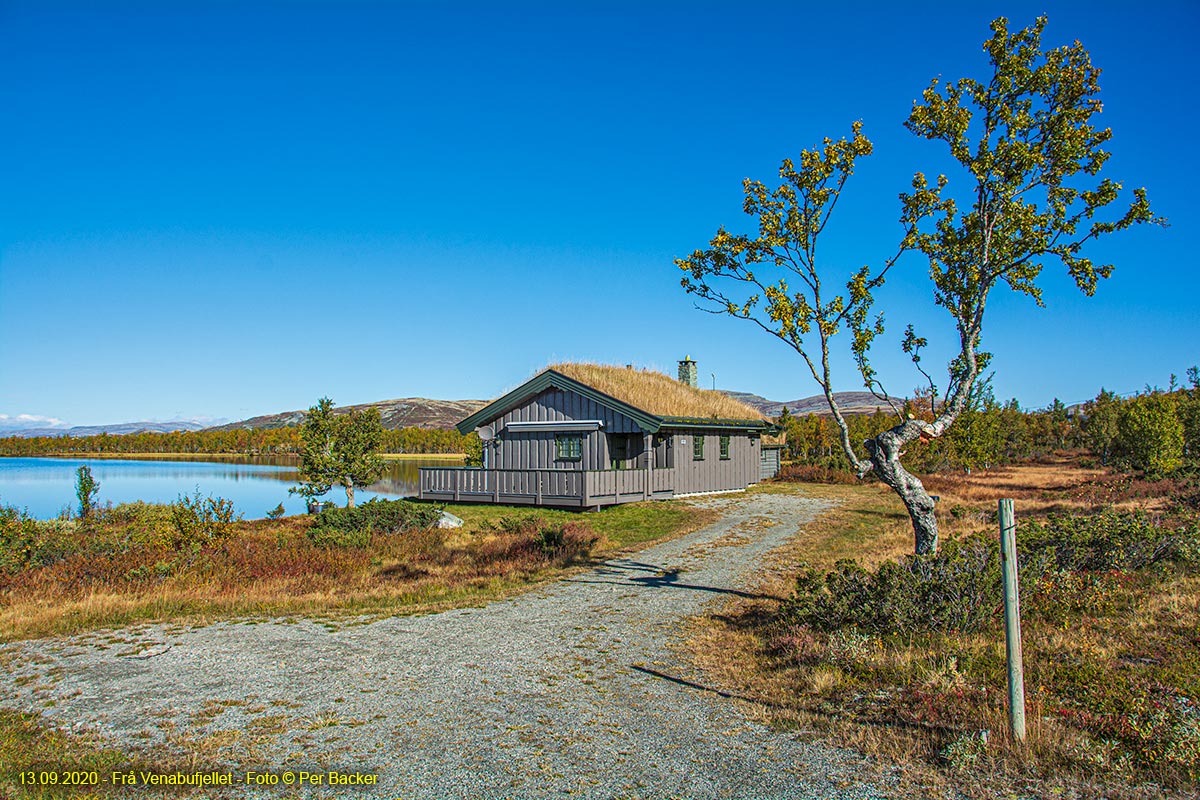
column 1099, row 655
column 270, row 568
column 656, row 393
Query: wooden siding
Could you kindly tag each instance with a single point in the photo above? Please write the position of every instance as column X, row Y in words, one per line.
column 535, row 450
column 522, row 466
column 712, row 473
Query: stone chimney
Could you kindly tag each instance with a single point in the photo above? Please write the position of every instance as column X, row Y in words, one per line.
column 687, row 372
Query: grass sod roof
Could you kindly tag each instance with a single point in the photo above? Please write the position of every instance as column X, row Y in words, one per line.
column 656, row 393
column 642, row 394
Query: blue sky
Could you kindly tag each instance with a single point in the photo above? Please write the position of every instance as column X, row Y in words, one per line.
column 227, row 209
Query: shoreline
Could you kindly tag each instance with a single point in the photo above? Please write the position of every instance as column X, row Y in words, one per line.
column 218, row 456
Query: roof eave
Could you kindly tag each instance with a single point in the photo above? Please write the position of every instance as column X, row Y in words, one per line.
column 545, row 380
column 760, row 425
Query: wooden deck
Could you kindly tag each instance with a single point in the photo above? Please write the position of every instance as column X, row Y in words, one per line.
column 545, row 487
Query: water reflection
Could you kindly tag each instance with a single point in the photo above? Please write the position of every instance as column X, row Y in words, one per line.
column 46, row 486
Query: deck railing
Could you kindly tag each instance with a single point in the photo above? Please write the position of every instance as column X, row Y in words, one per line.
column 544, row 486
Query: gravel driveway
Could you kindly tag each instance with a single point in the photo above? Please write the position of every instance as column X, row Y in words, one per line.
column 569, row 690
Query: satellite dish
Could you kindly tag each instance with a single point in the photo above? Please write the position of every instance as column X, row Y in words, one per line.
column 486, row 433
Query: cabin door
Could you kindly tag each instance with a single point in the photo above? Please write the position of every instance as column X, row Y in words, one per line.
column 618, row 450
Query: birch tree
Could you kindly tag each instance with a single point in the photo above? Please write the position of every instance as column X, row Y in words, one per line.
column 1030, row 192
column 339, row 450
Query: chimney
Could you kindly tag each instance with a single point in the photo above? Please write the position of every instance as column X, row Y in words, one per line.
column 687, row 372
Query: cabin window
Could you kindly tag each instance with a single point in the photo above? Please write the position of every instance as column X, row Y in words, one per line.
column 724, row 448
column 568, row 447
column 697, row 448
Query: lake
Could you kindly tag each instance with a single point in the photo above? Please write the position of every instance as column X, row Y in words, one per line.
column 45, row 486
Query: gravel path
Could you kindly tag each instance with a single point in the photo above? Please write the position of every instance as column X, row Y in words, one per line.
column 570, row 690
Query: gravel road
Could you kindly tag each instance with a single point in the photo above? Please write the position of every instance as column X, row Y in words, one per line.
column 570, row 690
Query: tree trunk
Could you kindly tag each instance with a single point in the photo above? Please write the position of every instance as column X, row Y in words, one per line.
column 884, row 451
column 349, row 494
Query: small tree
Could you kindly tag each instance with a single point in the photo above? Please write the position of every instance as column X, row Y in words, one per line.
column 1025, row 141
column 975, row 438
column 1100, row 424
column 339, row 450
column 1189, row 415
column 1149, row 433
column 87, row 489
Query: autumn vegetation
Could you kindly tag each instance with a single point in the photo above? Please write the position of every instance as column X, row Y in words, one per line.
column 902, row 655
column 255, row 441
column 1156, row 431
column 195, row 561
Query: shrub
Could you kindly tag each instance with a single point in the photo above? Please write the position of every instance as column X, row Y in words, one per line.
column 339, row 537
column 276, row 512
column 135, row 524
column 959, row 588
column 956, row 589
column 353, row 527
column 21, row 540
column 1111, row 540
column 200, row 521
column 816, row 473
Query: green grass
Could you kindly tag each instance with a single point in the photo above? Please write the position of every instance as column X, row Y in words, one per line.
column 622, row 525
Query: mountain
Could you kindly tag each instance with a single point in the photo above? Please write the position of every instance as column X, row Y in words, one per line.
column 421, row 412
column 848, row 402
column 407, row 412
column 117, row 429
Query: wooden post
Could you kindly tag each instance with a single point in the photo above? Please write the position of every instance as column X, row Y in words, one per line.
column 495, row 477
column 537, row 477
column 455, row 481
column 1012, row 620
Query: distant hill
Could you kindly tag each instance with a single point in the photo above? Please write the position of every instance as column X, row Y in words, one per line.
column 848, row 402
column 421, row 412
column 407, row 412
column 118, row 429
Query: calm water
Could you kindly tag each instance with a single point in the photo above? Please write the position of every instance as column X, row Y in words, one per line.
column 45, row 486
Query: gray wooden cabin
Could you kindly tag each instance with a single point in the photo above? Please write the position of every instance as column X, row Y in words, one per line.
column 556, row 441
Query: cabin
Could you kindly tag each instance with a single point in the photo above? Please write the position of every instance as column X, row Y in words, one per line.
column 590, row 435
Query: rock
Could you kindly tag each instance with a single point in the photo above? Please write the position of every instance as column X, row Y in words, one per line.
column 448, row 520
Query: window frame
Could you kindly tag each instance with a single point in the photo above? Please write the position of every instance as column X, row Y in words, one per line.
column 724, row 445
column 697, row 447
column 568, row 447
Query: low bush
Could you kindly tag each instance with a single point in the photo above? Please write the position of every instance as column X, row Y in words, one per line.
column 22, row 540
column 816, row 473
column 956, row 589
column 1111, row 540
column 959, row 588
column 353, row 527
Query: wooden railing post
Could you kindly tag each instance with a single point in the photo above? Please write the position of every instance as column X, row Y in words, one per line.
column 1012, row 620
column 495, row 477
column 454, row 482
column 537, row 478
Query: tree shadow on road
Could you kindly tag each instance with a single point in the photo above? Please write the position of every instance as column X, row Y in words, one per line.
column 637, row 573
